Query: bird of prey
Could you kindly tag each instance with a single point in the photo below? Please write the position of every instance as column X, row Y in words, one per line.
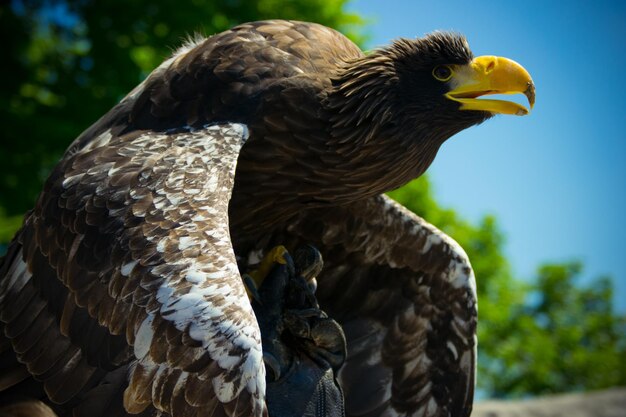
column 122, row 293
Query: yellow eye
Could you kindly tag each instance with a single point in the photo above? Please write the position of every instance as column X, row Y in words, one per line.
column 442, row 72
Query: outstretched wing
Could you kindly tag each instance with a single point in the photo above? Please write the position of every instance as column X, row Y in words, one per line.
column 125, row 274
column 405, row 294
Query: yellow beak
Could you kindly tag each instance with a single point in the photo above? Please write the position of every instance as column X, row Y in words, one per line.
column 491, row 75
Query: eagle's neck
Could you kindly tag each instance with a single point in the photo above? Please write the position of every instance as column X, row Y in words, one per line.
column 370, row 127
column 360, row 101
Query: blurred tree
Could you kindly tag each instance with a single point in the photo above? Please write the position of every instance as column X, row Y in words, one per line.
column 554, row 335
column 66, row 63
column 563, row 337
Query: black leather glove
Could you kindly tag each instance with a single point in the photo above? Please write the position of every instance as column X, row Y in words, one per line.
column 302, row 347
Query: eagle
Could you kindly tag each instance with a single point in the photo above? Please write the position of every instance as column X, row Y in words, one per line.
column 122, row 293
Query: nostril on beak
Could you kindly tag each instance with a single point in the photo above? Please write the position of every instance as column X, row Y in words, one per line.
column 490, row 66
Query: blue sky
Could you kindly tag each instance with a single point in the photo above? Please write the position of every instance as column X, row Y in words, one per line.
column 556, row 180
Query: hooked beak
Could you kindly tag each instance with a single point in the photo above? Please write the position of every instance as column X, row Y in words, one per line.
column 491, row 75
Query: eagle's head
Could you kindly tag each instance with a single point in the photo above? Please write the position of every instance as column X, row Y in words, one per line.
column 438, row 78
column 403, row 101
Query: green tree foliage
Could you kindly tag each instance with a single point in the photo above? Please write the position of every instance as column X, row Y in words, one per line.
column 564, row 336
column 66, row 63
column 552, row 335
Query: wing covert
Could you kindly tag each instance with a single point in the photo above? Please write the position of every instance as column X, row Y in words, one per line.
column 129, row 250
column 405, row 294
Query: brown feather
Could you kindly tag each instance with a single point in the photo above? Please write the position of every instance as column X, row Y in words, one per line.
column 29, row 408
column 138, row 394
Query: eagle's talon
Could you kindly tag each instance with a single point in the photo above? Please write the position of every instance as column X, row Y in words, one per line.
column 254, row 279
column 309, row 263
column 312, row 285
column 251, row 288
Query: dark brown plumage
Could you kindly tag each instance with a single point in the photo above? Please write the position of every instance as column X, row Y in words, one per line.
column 27, row 409
column 121, row 292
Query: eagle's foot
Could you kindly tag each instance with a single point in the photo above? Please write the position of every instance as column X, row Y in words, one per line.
column 251, row 288
column 302, row 347
column 286, row 307
column 308, row 263
column 254, row 279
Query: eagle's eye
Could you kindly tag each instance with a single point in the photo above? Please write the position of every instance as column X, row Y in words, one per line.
column 442, row 72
